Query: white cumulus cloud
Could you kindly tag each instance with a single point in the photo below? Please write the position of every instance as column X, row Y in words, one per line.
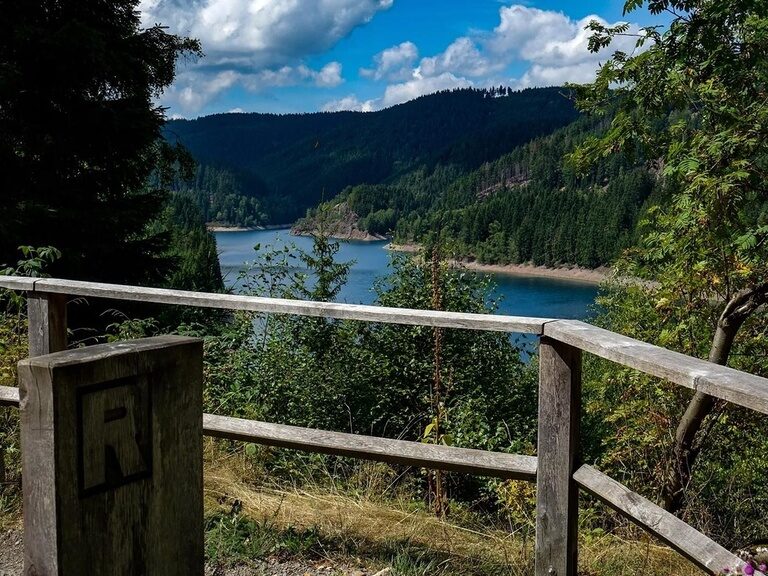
column 350, row 103
column 551, row 47
column 257, row 43
column 554, row 45
column 266, row 32
column 195, row 88
column 420, row 85
column 395, row 63
column 462, row 57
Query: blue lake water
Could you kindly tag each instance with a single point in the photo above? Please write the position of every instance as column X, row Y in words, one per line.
column 520, row 295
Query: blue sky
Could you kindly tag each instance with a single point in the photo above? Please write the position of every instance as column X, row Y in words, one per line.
column 288, row 56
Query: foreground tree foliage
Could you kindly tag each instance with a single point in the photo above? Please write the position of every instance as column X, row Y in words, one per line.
column 694, row 96
column 79, row 135
column 377, row 379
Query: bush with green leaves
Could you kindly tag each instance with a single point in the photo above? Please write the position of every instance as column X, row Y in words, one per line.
column 14, row 347
column 630, row 418
column 373, row 378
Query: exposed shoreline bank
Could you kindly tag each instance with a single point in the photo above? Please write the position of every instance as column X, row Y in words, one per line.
column 219, row 228
column 572, row 273
column 353, row 236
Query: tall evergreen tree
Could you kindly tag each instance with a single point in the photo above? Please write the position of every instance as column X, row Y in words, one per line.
column 79, row 134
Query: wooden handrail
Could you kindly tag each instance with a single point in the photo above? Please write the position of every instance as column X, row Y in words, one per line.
column 433, row 456
column 721, row 382
column 698, row 548
column 9, row 396
column 468, row 321
column 437, row 457
column 557, row 469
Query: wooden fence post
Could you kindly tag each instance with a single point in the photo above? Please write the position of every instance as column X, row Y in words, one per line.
column 557, row 496
column 112, row 459
column 47, row 316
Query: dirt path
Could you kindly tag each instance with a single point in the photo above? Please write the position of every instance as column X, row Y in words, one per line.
column 11, row 564
column 11, row 554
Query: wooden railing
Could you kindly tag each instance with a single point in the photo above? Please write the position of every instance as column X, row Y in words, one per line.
column 557, row 469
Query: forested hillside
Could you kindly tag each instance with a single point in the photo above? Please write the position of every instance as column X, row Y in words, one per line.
column 291, row 162
column 482, row 170
column 527, row 205
column 225, row 197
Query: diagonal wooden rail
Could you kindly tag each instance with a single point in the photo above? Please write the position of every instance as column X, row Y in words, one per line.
column 557, row 470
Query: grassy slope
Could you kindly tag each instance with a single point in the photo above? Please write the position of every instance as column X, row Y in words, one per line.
column 351, row 522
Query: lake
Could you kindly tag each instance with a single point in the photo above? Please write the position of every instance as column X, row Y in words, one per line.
column 520, row 295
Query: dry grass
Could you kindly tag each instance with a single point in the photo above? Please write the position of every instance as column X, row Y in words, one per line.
column 372, row 524
column 362, row 517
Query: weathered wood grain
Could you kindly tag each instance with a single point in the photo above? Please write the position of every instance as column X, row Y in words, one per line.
column 9, row 396
column 282, row 306
column 432, row 456
column 722, row 382
column 47, row 323
column 134, row 408
column 20, row 283
column 557, row 496
column 702, row 551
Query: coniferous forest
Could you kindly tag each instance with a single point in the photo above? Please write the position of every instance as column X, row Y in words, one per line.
column 292, row 162
column 482, row 171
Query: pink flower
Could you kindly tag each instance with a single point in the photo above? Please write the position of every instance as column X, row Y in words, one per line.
column 762, row 567
column 748, row 570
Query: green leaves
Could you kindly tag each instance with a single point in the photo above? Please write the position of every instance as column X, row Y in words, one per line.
column 752, row 239
column 695, row 100
column 631, row 6
column 34, row 261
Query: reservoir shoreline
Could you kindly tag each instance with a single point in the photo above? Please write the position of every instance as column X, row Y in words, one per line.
column 574, row 274
column 529, row 292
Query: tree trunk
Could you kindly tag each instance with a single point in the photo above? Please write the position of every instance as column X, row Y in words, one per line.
column 687, row 446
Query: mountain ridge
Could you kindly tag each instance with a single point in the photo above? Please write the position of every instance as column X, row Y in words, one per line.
column 292, row 162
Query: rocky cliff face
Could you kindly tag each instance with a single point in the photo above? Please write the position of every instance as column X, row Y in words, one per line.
column 338, row 222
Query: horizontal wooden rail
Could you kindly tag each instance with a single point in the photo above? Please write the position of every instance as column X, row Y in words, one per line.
column 491, row 322
column 702, row 551
column 560, row 378
column 9, row 396
column 722, row 382
column 480, row 462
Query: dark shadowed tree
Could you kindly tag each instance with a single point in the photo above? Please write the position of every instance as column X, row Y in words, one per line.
column 79, row 134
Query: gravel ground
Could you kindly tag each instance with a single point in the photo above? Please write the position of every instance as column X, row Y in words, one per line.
column 295, row 568
column 11, row 555
column 11, row 563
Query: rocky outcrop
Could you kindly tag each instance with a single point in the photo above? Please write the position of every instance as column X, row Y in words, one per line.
column 339, row 222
